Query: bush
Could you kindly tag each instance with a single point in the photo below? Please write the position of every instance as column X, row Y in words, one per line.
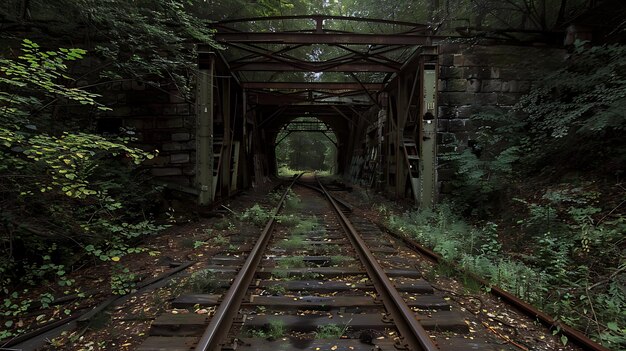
column 65, row 196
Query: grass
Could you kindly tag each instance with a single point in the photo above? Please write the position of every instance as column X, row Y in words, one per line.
column 275, row 330
column 337, row 260
column 330, row 331
column 219, row 240
column 276, row 290
column 305, row 226
column 201, row 282
column 555, row 277
column 291, row 262
column 293, row 243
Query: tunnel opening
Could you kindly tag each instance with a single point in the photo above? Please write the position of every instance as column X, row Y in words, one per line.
column 306, row 144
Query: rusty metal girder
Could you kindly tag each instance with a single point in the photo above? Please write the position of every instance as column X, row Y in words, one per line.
column 312, row 85
column 319, row 19
column 325, row 38
column 313, row 67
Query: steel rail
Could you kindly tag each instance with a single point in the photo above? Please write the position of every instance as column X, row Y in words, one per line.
column 222, row 320
column 413, row 333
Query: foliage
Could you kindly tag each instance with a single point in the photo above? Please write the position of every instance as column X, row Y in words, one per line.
column 201, row 282
column 563, row 143
column 66, row 196
column 338, row 260
column 305, row 226
column 276, row 289
column 256, row 215
column 330, row 331
column 295, row 242
column 122, row 280
column 571, row 121
column 145, row 40
column 274, row 330
column 571, row 270
column 292, row 262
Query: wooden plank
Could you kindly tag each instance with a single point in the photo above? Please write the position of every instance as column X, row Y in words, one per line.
column 463, row 344
column 168, row 343
column 440, row 321
column 190, row 300
column 256, row 344
column 325, row 303
column 330, row 271
column 188, row 324
column 416, row 286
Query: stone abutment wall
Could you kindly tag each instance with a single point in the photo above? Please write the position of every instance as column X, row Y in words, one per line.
column 475, row 79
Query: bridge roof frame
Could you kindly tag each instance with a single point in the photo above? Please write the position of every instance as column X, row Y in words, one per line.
column 269, row 51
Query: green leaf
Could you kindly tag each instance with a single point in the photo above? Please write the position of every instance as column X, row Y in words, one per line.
column 612, row 326
column 564, row 340
column 8, row 324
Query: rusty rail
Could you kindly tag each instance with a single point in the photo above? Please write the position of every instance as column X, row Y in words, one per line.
column 412, row 332
column 219, row 326
column 574, row 335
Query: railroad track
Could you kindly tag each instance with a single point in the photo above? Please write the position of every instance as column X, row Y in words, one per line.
column 332, row 285
column 321, row 279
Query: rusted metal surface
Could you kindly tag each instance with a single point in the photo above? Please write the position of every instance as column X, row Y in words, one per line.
column 320, row 18
column 313, row 67
column 411, row 330
column 311, row 85
column 223, row 318
column 326, row 38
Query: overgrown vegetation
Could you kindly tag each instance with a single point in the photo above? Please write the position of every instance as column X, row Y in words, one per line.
column 330, row 331
column 66, row 196
column 548, row 172
column 200, row 282
column 274, row 330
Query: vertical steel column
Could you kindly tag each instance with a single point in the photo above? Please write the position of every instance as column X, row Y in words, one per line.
column 401, row 106
column 227, row 149
column 245, row 150
column 204, row 127
column 428, row 137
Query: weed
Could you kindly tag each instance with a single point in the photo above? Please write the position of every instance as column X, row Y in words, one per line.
column 275, row 330
column 276, row 290
column 292, row 262
column 293, row 243
column 330, row 331
column 305, row 226
column 256, row 214
column 289, row 220
column 219, row 240
column 557, row 277
column 308, row 275
column 292, row 202
column 280, row 273
column 337, row 260
column 201, row 282
column 122, row 281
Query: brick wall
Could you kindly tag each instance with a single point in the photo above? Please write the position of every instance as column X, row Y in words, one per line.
column 164, row 121
column 479, row 78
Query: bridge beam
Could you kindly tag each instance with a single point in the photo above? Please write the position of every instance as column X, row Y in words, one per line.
column 204, row 128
